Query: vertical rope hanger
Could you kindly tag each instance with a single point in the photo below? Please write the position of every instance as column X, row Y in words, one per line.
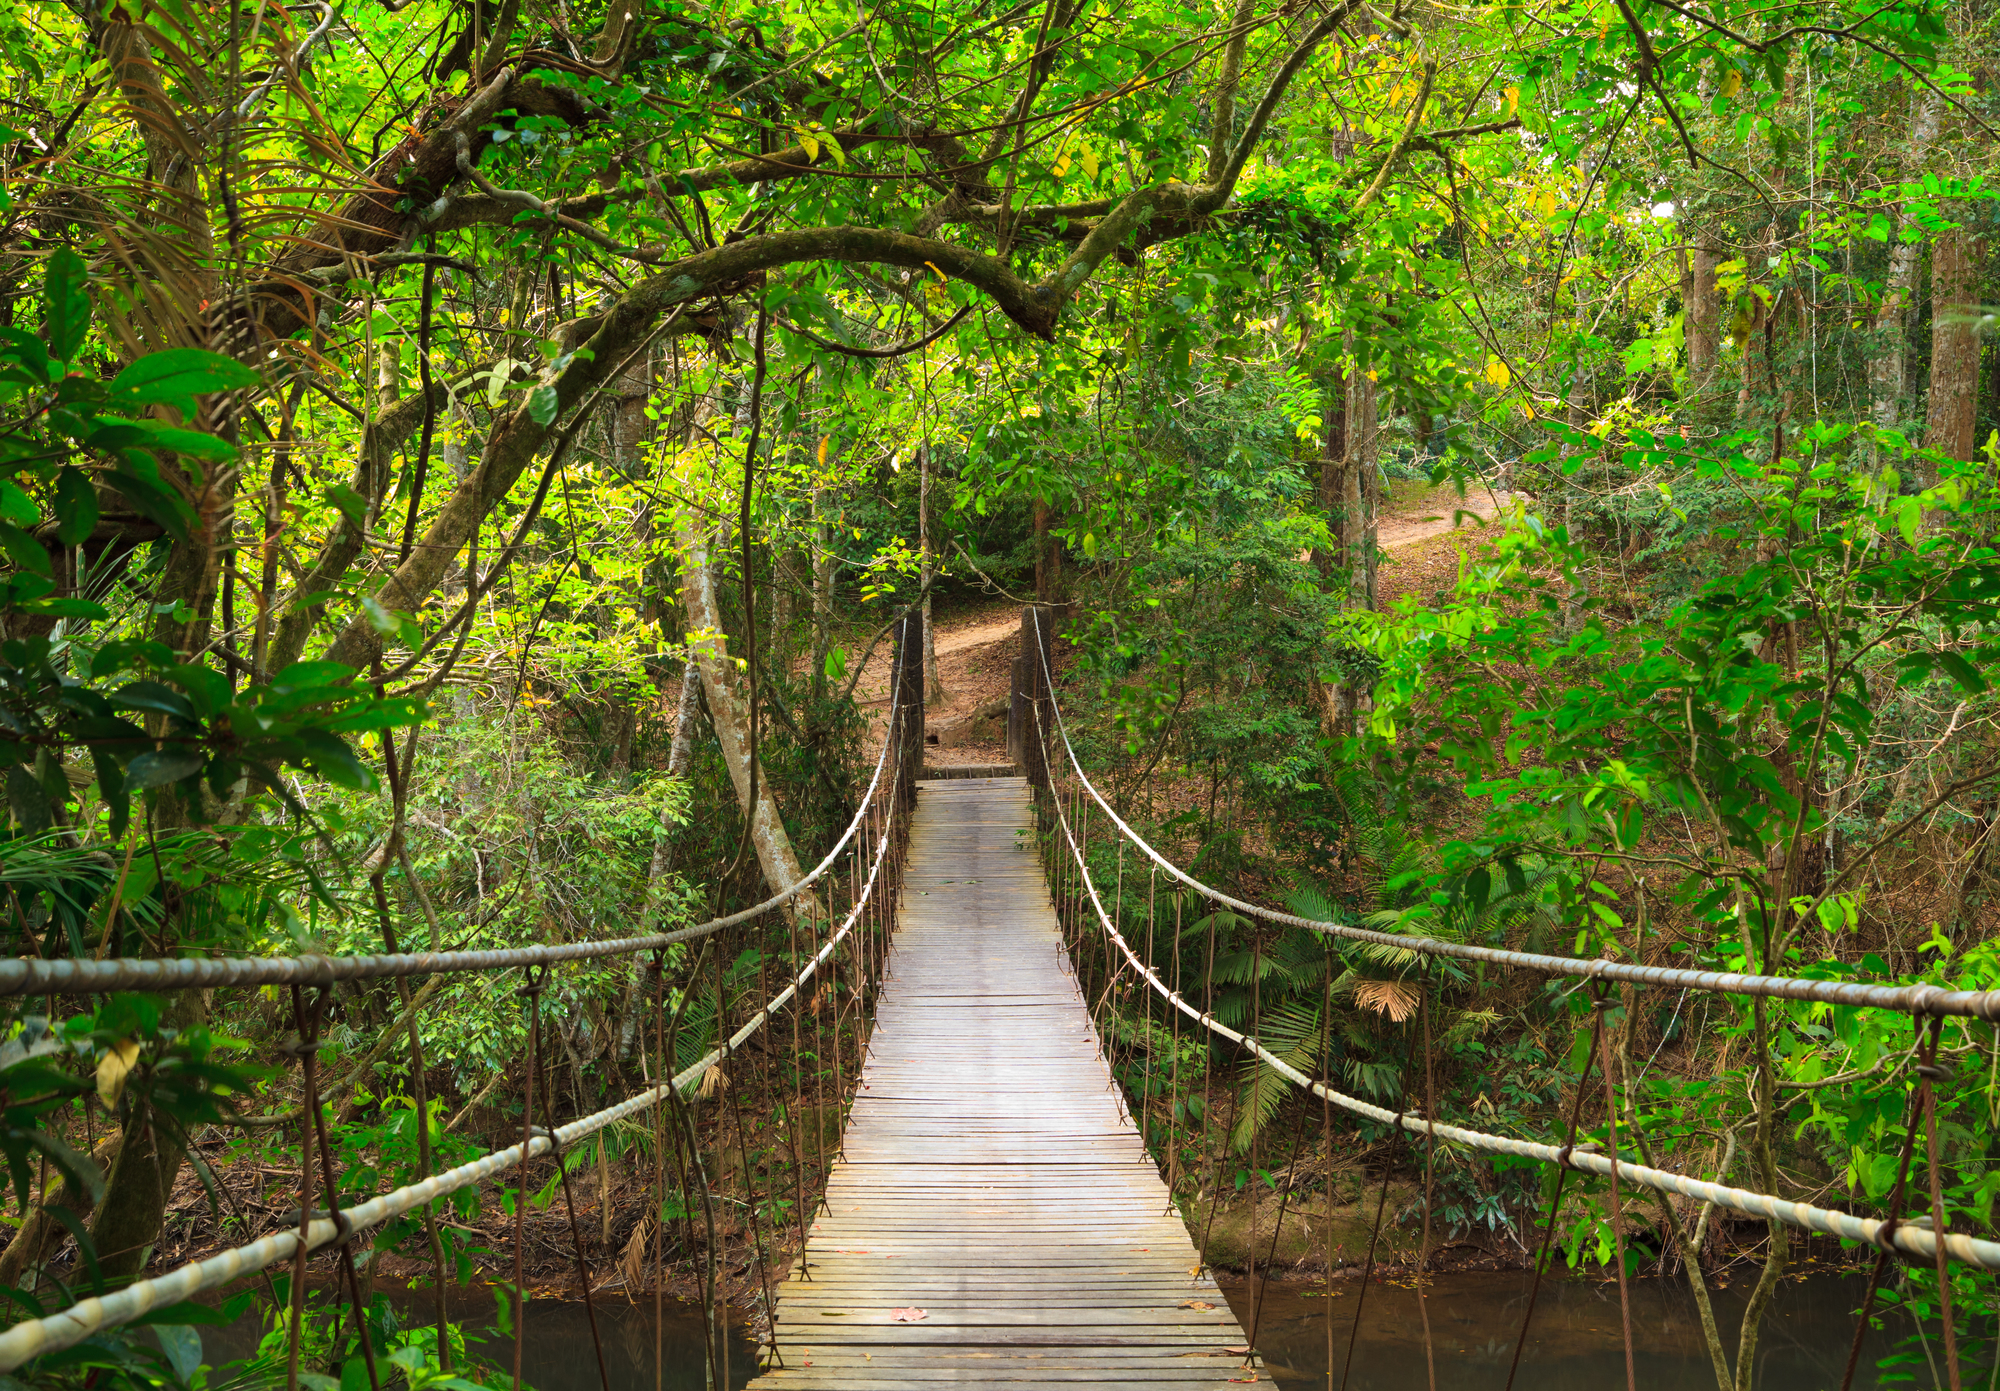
column 1913, row 1110
column 1326, row 1137
column 1940, row 1215
column 532, row 989
column 1375, row 1232
column 1146, row 1084
column 662, row 1068
column 1603, row 1006
column 308, row 1027
column 575, row 1237
column 1430, row 1165
column 1555, row 1199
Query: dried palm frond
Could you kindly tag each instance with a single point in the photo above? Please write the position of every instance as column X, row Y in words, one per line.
column 632, row 1265
column 713, row 1082
column 1390, row 997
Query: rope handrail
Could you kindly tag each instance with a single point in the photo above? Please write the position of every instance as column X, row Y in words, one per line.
column 1910, row 999
column 1904, row 1237
column 72, row 976
column 81, row 1320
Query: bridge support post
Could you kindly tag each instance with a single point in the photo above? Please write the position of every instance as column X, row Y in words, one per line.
column 1032, row 711
column 906, row 686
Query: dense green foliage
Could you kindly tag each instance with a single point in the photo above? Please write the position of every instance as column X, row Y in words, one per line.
column 405, row 409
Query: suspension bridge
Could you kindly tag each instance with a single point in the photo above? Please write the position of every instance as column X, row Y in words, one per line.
column 996, row 1218
column 993, row 1213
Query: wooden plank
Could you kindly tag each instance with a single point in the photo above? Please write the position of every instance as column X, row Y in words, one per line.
column 990, row 1175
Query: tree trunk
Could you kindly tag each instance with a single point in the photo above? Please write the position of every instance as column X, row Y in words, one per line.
column 729, row 711
column 1331, row 488
column 822, row 622
column 1885, row 364
column 933, row 683
column 680, row 754
column 1952, row 408
column 39, row 1230
column 1363, row 483
column 128, row 1221
column 1702, row 320
column 1045, row 581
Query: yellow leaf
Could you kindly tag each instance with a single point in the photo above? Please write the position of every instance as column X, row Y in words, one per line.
column 1089, row 162
column 1513, row 101
column 1062, row 166
column 811, row 146
column 1732, row 82
column 112, row 1070
column 1497, row 373
column 823, row 442
column 1545, row 204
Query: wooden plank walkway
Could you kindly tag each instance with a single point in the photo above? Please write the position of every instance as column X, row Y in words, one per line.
column 991, row 1178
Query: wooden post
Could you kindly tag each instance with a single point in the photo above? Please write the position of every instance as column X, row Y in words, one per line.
column 907, row 688
column 1038, row 707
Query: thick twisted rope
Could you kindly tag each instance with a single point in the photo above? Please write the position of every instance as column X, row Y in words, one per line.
column 1906, row 999
column 72, row 1325
column 28, row 976
column 1910, row 1240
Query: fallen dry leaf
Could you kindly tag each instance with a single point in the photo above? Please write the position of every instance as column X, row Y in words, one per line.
column 909, row 1315
column 1196, row 1304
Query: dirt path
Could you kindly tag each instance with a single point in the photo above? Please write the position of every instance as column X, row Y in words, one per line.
column 976, row 645
column 1442, row 511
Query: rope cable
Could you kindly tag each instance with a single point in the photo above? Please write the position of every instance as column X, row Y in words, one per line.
column 1908, row 999
column 34, row 976
column 1905, row 1238
column 67, row 1327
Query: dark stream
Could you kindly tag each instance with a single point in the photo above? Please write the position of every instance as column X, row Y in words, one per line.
column 1575, row 1343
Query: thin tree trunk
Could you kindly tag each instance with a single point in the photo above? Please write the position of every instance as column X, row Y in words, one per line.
column 822, row 638
column 1952, row 408
column 679, row 755
column 933, row 682
column 1362, row 484
column 1886, row 362
column 728, row 710
column 1331, row 489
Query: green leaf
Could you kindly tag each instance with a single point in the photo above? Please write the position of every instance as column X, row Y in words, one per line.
column 161, row 768
column 66, row 608
column 65, row 304
column 351, row 504
column 25, row 551
column 76, row 507
column 16, row 506
column 75, row 1165
column 175, row 378
column 151, row 501
column 543, row 403
column 384, row 621
column 301, row 676
column 330, row 757
column 182, row 1345
column 1963, row 672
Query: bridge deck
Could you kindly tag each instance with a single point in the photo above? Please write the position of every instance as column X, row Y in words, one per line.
column 992, row 1179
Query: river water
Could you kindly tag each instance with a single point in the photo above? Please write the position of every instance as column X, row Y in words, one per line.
column 1574, row 1343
